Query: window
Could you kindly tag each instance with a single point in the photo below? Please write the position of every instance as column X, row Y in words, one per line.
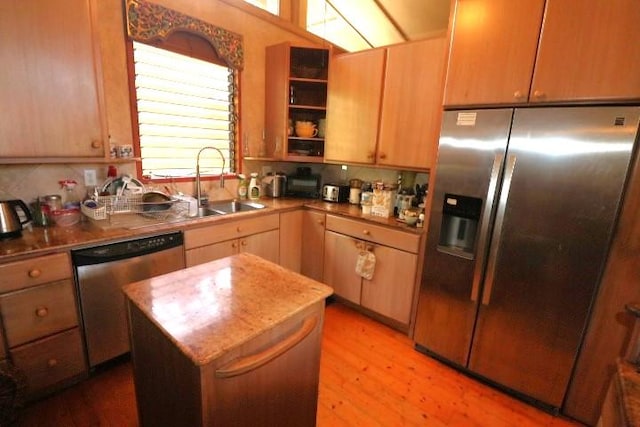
column 183, row 104
column 185, row 89
column 272, row 6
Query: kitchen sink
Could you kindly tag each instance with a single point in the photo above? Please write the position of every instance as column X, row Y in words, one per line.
column 227, row 207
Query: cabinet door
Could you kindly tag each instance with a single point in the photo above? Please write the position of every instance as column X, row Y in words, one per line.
column 212, row 252
column 313, row 244
column 588, row 50
column 340, row 256
column 412, row 104
column 291, row 240
column 265, row 245
column 353, row 106
column 390, row 291
column 492, row 51
column 49, row 74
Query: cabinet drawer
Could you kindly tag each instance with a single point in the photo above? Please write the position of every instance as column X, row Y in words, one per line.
column 374, row 233
column 230, row 230
column 36, row 312
column 51, row 360
column 35, row 271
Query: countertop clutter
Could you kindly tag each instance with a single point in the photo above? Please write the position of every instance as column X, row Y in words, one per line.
column 43, row 240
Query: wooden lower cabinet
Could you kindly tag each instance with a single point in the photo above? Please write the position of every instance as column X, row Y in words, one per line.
column 291, row 239
column 40, row 323
column 259, row 236
column 51, row 361
column 271, row 379
column 312, row 262
column 390, row 290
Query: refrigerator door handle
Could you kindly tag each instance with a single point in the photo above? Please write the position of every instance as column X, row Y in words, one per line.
column 497, row 230
column 484, row 226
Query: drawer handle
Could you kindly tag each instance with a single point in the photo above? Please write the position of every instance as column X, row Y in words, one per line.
column 254, row 361
column 366, row 232
column 52, row 363
column 34, row 273
column 42, row 311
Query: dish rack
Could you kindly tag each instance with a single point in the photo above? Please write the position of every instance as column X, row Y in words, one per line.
column 133, row 204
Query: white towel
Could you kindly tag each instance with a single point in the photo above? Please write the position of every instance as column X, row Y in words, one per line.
column 366, row 264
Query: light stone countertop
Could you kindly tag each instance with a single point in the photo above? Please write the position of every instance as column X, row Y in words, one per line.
column 41, row 241
column 211, row 308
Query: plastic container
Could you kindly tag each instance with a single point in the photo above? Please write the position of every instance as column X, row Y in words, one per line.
column 243, row 188
column 66, row 217
column 254, row 187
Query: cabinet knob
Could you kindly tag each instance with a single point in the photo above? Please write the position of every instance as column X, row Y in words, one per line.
column 96, row 144
column 371, row 155
column 538, row 94
column 238, row 229
column 366, row 232
column 34, row 273
column 383, row 156
column 52, row 363
column 234, row 245
column 243, row 243
column 42, row 311
column 320, row 222
column 518, row 94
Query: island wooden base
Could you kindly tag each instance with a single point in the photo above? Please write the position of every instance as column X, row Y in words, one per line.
column 269, row 380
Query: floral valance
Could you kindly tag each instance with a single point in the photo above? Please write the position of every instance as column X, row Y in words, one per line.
column 148, row 21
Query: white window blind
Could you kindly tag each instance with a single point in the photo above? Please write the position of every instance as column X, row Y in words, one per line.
column 184, row 104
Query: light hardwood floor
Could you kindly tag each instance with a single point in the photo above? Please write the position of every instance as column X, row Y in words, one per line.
column 370, row 375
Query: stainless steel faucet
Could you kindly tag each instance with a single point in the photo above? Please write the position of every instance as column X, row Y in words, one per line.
column 198, row 190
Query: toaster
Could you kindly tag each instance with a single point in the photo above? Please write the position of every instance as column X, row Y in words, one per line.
column 335, row 193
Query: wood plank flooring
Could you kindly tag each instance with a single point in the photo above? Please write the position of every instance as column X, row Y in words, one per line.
column 370, row 375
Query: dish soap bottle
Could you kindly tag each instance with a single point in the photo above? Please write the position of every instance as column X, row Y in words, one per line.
column 242, row 187
column 71, row 199
column 254, row 187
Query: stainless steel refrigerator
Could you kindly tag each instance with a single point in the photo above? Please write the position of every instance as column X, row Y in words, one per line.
column 525, row 202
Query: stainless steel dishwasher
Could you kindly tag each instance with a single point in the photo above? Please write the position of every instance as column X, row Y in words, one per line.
column 101, row 271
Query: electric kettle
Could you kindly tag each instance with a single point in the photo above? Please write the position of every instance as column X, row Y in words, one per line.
column 10, row 224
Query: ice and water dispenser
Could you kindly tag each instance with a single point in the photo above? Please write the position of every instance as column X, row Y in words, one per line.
column 460, row 217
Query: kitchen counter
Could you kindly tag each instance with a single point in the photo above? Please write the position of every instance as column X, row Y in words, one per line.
column 40, row 241
column 211, row 308
column 235, row 341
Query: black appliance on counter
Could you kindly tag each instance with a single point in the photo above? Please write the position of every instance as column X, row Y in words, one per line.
column 303, row 184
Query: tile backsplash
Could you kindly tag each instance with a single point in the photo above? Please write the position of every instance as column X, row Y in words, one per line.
column 26, row 182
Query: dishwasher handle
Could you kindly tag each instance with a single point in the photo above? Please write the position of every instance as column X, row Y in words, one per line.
column 126, row 249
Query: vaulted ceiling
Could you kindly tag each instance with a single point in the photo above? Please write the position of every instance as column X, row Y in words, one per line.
column 361, row 24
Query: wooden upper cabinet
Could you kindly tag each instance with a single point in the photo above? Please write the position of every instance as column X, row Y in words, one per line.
column 586, row 51
column 492, row 51
column 49, row 80
column 353, row 106
column 589, row 50
column 412, row 104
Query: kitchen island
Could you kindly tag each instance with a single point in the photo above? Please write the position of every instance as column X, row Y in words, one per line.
column 231, row 342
